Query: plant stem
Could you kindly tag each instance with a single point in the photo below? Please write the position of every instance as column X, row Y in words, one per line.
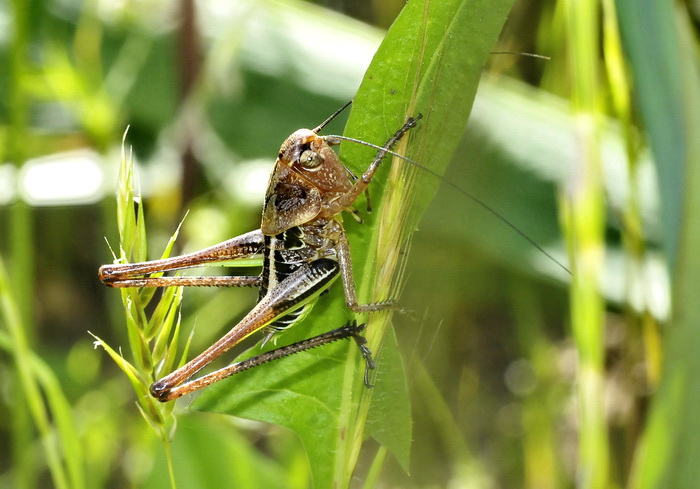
column 584, row 216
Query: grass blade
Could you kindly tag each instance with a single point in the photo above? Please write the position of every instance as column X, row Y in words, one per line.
column 670, row 101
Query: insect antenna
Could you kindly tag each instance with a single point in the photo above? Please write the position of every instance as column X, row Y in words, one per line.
column 460, row 190
column 331, row 117
column 517, row 53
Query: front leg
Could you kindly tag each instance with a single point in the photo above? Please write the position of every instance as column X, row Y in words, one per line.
column 346, row 200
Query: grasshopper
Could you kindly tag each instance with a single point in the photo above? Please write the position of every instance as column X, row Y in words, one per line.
column 304, row 249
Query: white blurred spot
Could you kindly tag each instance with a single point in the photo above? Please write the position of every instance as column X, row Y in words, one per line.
column 248, row 180
column 69, row 178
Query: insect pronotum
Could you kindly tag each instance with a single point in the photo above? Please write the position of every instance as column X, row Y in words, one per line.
column 304, row 249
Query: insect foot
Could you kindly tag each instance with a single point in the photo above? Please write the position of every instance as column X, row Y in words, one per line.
column 361, row 343
column 160, row 391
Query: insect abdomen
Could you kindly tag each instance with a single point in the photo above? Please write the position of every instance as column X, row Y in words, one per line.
column 286, row 253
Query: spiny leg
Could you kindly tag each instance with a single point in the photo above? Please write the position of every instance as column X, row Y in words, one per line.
column 345, row 262
column 301, row 287
column 188, row 281
column 243, row 246
column 350, row 330
column 361, row 343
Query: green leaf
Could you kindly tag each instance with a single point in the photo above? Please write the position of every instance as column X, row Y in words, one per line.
column 211, row 454
column 429, row 63
column 389, row 416
column 670, row 103
column 652, row 45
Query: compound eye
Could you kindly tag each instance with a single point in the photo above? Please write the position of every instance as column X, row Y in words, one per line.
column 310, row 159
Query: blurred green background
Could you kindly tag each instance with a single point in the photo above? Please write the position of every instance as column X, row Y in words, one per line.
column 519, row 374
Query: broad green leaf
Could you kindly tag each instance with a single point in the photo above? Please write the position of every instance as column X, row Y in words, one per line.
column 429, row 63
column 657, row 35
column 209, row 453
column 436, row 76
column 389, row 416
column 650, row 41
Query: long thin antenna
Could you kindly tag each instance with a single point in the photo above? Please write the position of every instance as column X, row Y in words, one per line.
column 333, row 116
column 531, row 55
column 478, row 201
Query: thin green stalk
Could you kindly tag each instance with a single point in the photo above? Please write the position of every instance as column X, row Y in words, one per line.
column 375, row 470
column 467, row 468
column 19, row 230
column 154, row 340
column 620, row 89
column 584, row 214
column 21, row 217
column 47, row 406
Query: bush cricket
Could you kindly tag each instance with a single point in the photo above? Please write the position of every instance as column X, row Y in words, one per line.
column 303, row 247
